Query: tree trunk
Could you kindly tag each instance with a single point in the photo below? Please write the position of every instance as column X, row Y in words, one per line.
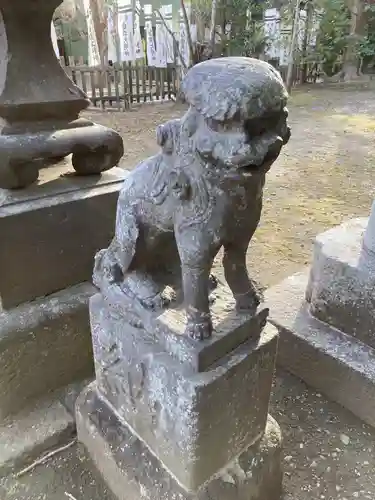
column 309, row 14
column 292, row 48
column 188, row 33
column 351, row 64
column 213, row 26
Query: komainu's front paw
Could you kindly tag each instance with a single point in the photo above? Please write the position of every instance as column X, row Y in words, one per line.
column 158, row 301
column 199, row 330
column 247, row 303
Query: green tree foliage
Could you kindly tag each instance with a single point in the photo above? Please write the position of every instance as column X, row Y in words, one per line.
column 247, row 36
column 343, row 38
column 367, row 45
column 333, row 36
column 245, row 18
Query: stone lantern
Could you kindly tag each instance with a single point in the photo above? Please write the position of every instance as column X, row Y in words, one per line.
column 40, row 105
column 50, row 231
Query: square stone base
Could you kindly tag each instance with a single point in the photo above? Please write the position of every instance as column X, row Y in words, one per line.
column 52, row 230
column 185, row 415
column 133, row 472
column 341, row 288
column 32, row 432
column 337, row 364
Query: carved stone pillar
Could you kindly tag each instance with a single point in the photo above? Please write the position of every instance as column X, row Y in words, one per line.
column 40, row 105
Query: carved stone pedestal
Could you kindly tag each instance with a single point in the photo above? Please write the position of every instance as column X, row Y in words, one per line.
column 40, row 105
column 132, row 471
column 326, row 318
column 169, row 417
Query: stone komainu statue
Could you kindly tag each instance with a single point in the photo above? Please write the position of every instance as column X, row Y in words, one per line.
column 203, row 191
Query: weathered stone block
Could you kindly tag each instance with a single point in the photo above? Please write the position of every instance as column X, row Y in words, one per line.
column 166, row 326
column 44, row 345
column 132, row 471
column 195, row 422
column 52, row 231
column 337, row 364
column 33, row 431
column 340, row 291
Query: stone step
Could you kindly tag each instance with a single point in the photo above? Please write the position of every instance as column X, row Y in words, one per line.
column 33, row 432
column 44, row 345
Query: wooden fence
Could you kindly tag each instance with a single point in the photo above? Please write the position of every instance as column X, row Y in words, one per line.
column 123, row 84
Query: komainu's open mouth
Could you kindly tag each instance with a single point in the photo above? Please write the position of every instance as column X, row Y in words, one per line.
column 251, row 169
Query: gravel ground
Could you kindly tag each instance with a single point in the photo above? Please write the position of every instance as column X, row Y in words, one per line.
column 328, row 454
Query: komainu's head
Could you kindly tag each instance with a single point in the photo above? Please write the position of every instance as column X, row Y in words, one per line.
column 237, row 118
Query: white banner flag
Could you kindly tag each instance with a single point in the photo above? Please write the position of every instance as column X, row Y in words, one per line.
column 194, row 33
column 138, row 45
column 317, row 16
column 161, row 49
column 272, row 31
column 183, row 42
column 227, row 30
column 218, row 33
column 284, row 44
column 112, row 33
column 301, row 27
column 93, row 47
column 126, row 36
column 151, row 50
column 54, row 40
column 167, row 13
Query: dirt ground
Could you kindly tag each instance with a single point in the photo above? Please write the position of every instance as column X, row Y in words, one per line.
column 324, row 175
column 328, row 455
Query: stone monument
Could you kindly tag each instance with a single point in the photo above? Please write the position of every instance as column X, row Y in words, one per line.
column 50, row 229
column 179, row 408
column 326, row 317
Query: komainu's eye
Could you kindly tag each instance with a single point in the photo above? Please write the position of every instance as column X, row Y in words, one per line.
column 224, row 126
column 254, row 127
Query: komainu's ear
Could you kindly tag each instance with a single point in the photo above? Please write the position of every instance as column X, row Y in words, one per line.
column 165, row 138
column 161, row 135
column 180, row 185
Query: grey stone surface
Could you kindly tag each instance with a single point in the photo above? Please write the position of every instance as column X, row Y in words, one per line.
column 166, row 326
column 52, row 231
column 133, row 472
column 367, row 257
column 40, row 105
column 333, row 362
column 44, row 345
column 68, row 395
column 178, row 412
column 32, row 432
column 342, row 293
column 203, row 191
